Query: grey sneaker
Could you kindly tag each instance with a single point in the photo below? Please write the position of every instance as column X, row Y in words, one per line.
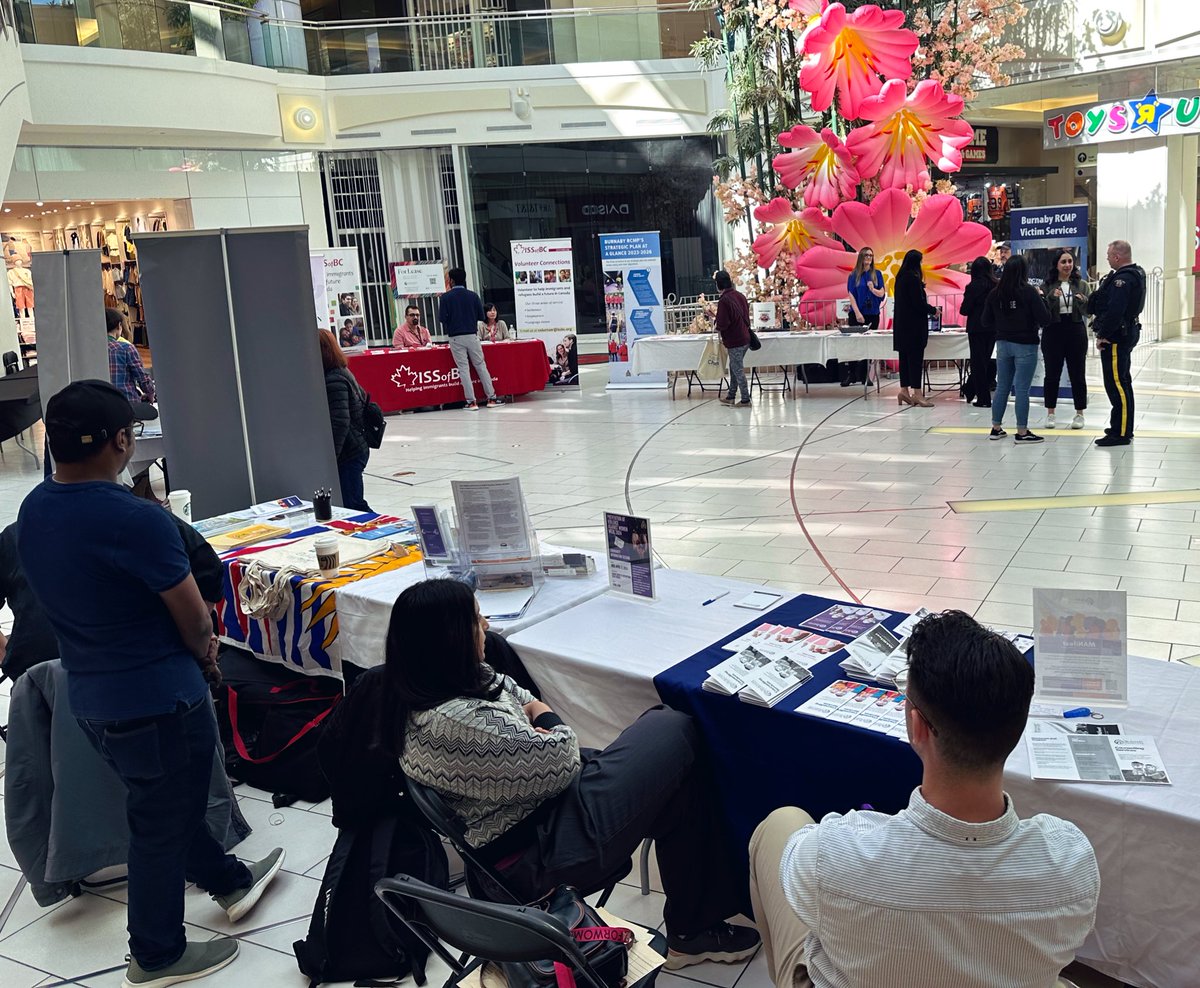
column 240, row 901
column 199, row 960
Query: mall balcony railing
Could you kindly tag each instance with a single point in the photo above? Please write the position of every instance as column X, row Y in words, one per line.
column 267, row 35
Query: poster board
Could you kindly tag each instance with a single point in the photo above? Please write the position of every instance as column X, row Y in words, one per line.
column 633, row 302
column 343, row 296
column 411, row 279
column 544, row 285
column 1039, row 232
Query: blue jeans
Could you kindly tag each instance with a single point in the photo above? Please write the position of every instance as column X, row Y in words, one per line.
column 165, row 764
column 350, row 476
column 737, row 374
column 1015, row 364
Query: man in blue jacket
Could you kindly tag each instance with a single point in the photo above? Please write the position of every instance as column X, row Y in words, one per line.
column 460, row 311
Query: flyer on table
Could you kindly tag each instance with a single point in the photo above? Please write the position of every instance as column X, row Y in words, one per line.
column 630, row 560
column 1082, row 656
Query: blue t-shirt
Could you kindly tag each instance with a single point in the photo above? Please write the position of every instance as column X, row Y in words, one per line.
column 868, row 304
column 460, row 311
column 97, row 557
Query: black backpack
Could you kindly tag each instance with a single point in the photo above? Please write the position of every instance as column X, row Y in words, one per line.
column 374, row 424
column 352, row 936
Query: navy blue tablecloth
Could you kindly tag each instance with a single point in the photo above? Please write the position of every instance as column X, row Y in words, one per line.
column 767, row 758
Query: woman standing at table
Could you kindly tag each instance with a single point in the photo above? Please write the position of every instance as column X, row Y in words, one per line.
column 493, row 328
column 981, row 339
column 910, row 329
column 867, row 291
column 1015, row 311
column 1065, row 339
column 346, row 404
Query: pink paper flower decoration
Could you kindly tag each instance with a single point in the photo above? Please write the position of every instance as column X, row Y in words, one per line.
column 848, row 54
column 818, row 163
column 938, row 232
column 906, row 129
column 791, row 232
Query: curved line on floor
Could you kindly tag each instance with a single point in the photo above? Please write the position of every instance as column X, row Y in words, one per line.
column 649, row 439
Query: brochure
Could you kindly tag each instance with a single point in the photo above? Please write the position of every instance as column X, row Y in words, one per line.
column 630, row 556
column 1082, row 647
column 830, row 698
column 875, row 655
column 859, row 704
column 767, row 686
column 1095, row 758
column 1074, row 726
column 764, row 633
column 874, row 709
column 845, row 619
column 730, row 676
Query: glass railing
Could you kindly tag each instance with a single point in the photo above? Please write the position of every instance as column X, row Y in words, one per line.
column 471, row 40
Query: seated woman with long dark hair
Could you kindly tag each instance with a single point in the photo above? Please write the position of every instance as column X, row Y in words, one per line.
column 536, row 807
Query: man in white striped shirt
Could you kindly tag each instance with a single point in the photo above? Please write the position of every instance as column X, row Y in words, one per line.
column 953, row 892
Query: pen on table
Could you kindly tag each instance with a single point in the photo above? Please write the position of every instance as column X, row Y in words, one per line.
column 713, row 600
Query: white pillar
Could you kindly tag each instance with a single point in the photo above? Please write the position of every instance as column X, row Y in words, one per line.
column 1146, row 192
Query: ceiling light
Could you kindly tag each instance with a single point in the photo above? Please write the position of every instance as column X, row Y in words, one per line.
column 304, row 118
column 39, row 204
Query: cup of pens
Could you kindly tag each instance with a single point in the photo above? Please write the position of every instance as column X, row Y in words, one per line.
column 323, row 504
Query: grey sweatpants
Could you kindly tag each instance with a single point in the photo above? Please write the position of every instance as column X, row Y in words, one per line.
column 467, row 352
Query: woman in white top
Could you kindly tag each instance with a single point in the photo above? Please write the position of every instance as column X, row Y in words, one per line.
column 493, row 328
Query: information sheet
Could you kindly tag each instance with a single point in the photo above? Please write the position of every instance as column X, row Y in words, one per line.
column 1095, row 758
column 1082, row 655
column 492, row 521
column 630, row 558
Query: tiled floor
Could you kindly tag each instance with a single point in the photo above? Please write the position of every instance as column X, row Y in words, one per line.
column 833, row 489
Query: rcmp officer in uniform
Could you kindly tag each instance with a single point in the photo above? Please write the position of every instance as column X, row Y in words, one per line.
column 1117, row 304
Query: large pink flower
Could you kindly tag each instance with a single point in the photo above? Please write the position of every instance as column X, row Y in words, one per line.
column 905, row 129
column 818, row 163
column 848, row 54
column 791, row 232
column 938, row 232
column 811, row 11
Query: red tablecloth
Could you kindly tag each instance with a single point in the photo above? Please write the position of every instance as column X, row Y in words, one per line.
column 402, row 379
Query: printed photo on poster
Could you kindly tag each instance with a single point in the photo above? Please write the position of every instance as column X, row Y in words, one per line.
column 630, row 557
column 343, row 295
column 562, row 354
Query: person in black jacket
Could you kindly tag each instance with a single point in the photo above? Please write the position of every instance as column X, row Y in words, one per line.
column 1065, row 339
column 346, row 403
column 1015, row 311
column 1117, row 303
column 910, row 329
column 982, row 341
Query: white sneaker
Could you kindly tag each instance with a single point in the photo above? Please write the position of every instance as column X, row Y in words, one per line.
column 1077, row 421
column 1049, row 420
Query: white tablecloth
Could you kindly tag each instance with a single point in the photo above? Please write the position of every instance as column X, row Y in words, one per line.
column 596, row 663
column 1146, row 838
column 878, row 346
column 667, row 353
column 364, row 608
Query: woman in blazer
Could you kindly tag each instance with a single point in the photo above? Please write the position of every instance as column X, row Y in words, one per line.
column 910, row 329
column 1065, row 339
column 493, row 328
column 981, row 340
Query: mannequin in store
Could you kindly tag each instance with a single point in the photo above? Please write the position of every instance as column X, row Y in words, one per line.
column 20, row 285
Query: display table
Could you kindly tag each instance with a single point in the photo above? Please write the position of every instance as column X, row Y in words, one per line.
column 400, row 380
column 596, row 663
column 365, row 607
column 20, row 405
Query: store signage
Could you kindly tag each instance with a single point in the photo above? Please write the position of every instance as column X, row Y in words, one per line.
column 410, row 280
column 600, row 207
column 1122, row 120
column 984, row 148
column 522, row 209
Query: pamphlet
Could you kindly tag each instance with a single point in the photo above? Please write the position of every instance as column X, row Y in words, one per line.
column 845, row 619
column 435, row 547
column 861, row 705
column 770, row 684
column 630, row 558
column 765, row 634
column 1073, row 726
column 1095, row 758
column 1082, row 647
column 876, row 655
column 492, row 521
column 874, row 709
column 730, row 676
column 830, row 698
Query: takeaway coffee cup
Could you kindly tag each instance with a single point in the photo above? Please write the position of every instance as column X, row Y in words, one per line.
column 181, row 505
column 328, row 560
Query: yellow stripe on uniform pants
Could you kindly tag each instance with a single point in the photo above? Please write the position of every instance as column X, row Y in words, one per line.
column 1120, row 392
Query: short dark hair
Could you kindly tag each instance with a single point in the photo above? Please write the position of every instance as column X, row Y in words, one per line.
column 431, row 652
column 488, row 306
column 724, row 282
column 83, row 418
column 410, row 307
column 113, row 319
column 457, row 276
column 972, row 685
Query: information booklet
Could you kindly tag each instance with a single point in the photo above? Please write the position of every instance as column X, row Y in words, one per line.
column 1082, row 647
column 861, row 705
column 630, row 558
column 1094, row 758
column 845, row 619
column 759, row 677
column 876, row 655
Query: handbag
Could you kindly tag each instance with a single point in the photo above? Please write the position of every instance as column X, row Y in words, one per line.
column 605, row 947
column 755, row 342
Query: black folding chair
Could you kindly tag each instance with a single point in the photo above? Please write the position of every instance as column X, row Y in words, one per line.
column 444, row 820
column 485, row 931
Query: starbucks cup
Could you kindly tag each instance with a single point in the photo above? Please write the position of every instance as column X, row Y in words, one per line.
column 328, row 560
column 180, row 503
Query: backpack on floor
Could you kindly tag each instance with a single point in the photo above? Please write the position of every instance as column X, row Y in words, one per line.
column 352, row 936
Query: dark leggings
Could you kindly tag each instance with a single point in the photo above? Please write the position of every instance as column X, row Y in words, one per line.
column 1065, row 342
column 912, row 367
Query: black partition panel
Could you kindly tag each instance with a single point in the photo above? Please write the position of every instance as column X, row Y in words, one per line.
column 241, row 390
column 70, row 319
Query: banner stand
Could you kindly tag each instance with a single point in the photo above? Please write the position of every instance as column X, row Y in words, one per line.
column 633, row 302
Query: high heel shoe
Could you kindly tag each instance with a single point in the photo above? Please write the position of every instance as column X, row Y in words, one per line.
column 902, row 399
column 921, row 401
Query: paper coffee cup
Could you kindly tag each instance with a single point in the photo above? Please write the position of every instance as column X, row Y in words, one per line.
column 328, row 556
column 180, row 503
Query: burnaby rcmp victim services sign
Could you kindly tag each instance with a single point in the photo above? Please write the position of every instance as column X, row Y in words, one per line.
column 1099, row 123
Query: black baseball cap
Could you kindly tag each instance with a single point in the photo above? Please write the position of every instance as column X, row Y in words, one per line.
column 84, row 416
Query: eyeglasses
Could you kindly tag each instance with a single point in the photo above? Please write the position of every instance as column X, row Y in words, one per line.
column 137, row 427
column 921, row 713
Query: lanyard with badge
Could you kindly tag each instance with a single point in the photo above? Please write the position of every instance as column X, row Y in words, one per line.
column 1064, row 288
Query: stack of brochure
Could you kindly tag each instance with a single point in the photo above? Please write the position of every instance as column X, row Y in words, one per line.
column 876, row 655
column 769, row 663
column 861, row 705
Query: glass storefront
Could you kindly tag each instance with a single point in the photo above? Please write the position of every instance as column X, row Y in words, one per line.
column 583, row 189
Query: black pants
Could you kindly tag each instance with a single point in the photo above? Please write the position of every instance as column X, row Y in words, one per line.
column 350, row 478
column 653, row 781
column 912, row 368
column 1114, row 361
column 165, row 764
column 1065, row 341
column 855, row 371
column 979, row 384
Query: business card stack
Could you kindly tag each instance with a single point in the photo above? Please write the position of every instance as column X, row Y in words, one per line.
column 860, row 705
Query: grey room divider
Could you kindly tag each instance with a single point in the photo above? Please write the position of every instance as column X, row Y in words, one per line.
column 72, row 344
column 238, row 371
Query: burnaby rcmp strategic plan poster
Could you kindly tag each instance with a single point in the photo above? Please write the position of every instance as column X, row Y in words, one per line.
column 633, row 302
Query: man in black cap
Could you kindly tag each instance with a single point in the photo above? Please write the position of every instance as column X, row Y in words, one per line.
column 1117, row 305
column 137, row 644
